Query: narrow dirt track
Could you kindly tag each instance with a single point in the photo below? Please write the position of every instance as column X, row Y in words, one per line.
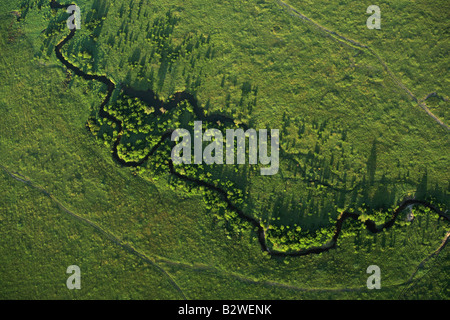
column 355, row 43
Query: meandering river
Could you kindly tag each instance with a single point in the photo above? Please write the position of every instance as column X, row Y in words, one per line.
column 150, row 98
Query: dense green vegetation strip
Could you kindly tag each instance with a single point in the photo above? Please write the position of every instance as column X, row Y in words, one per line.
column 205, row 268
column 202, row 253
column 341, row 38
column 181, row 96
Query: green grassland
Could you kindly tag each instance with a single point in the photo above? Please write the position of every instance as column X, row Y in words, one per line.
column 351, row 138
column 413, row 38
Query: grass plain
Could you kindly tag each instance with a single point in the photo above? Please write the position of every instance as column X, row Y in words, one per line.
column 345, row 123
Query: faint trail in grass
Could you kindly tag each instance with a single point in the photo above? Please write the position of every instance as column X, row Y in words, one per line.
column 410, row 282
column 268, row 283
column 262, row 237
column 181, row 96
column 99, row 229
column 156, row 260
column 358, row 45
column 196, row 267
